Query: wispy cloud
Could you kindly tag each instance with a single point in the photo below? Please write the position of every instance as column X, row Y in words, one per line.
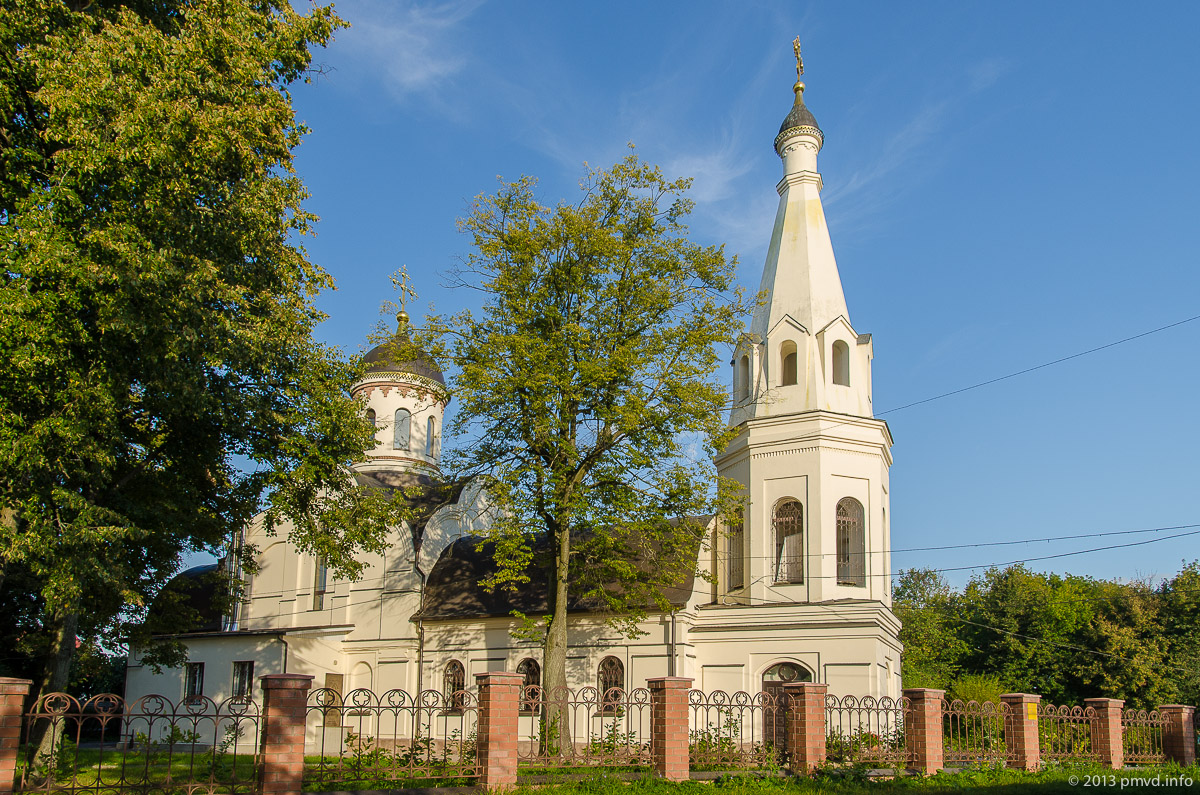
column 407, row 44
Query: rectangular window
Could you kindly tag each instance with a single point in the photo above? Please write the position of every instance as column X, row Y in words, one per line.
column 736, row 560
column 320, row 581
column 193, row 686
column 243, row 679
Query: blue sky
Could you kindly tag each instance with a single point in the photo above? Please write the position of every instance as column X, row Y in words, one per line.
column 1006, row 184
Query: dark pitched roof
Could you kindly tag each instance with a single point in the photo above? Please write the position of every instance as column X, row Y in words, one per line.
column 453, row 590
column 424, row 494
column 398, row 355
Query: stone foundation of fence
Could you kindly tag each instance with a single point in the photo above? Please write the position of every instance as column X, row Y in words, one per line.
column 12, row 707
column 285, row 709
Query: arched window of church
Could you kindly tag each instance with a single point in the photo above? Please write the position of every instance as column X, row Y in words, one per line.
column 454, row 681
column 743, row 389
column 736, row 551
column 430, row 437
column 841, row 363
column 610, row 681
column 789, row 541
column 403, row 429
column 531, row 683
column 851, row 543
column 788, row 359
column 371, row 417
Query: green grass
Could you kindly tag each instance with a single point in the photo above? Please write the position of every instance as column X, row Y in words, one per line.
column 114, row 771
column 855, row 781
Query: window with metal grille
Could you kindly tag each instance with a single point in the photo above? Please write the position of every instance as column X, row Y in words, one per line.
column 193, row 681
column 531, row 679
column 402, row 429
column 610, row 680
column 851, row 543
column 454, row 681
column 789, row 541
column 243, row 679
column 736, row 554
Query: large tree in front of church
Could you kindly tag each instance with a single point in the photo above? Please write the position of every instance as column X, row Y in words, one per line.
column 160, row 380
column 588, row 391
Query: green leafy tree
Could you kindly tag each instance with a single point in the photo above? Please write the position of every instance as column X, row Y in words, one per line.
column 933, row 648
column 1180, row 621
column 587, row 391
column 161, row 383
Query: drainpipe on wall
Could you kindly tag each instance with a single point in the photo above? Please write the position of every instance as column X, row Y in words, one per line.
column 672, row 665
column 283, row 640
column 420, row 630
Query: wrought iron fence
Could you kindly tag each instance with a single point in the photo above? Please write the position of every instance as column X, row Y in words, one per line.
column 866, row 730
column 562, row 728
column 1066, row 732
column 973, row 732
column 1142, row 736
column 729, row 731
column 369, row 741
column 105, row 746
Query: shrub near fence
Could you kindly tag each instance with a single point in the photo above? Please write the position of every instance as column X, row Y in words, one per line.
column 1142, row 736
column 974, row 733
column 602, row 729
column 1065, row 733
column 866, row 730
column 390, row 740
column 732, row 731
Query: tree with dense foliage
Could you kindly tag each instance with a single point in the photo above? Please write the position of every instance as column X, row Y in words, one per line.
column 587, row 390
column 1066, row 637
column 161, row 383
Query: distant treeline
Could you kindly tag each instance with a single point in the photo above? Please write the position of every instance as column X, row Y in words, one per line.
column 1066, row 638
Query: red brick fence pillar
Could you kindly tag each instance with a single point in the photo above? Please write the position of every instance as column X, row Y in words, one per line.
column 806, row 728
column 1179, row 735
column 284, row 714
column 499, row 699
column 12, row 710
column 1107, row 740
column 923, row 729
column 1021, row 731
column 669, row 726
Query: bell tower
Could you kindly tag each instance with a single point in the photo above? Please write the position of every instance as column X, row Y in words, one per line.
column 812, row 460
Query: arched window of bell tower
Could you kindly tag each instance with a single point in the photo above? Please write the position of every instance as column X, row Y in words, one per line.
column 788, row 360
column 371, row 417
column 851, row 543
column 789, row 541
column 403, row 429
column 430, row 437
column 841, row 363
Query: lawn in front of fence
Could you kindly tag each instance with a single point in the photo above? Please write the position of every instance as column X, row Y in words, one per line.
column 111, row 770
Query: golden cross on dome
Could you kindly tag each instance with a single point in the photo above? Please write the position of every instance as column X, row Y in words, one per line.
column 403, row 286
column 799, row 60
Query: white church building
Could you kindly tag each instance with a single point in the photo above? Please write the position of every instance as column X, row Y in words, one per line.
column 796, row 588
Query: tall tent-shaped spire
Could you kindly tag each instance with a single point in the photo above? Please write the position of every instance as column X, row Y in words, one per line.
column 804, row 312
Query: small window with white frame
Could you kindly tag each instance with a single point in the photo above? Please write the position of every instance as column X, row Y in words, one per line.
column 243, row 679
column 193, row 684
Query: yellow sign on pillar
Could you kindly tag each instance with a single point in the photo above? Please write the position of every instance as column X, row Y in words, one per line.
column 1031, row 711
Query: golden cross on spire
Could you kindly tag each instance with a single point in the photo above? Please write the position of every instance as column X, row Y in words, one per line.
column 799, row 60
